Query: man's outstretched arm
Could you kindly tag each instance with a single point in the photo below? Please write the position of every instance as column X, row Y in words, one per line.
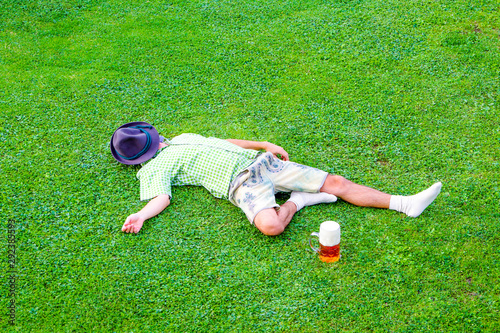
column 155, row 206
column 264, row 145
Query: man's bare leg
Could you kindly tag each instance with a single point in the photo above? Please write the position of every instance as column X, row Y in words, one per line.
column 360, row 195
column 356, row 194
column 272, row 222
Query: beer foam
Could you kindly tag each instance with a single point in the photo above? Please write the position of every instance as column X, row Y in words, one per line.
column 329, row 233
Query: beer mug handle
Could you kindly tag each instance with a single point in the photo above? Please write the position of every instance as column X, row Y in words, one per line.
column 310, row 238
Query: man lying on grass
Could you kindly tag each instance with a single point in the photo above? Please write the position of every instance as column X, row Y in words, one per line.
column 237, row 170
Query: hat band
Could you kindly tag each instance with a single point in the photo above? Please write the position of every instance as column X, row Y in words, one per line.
column 146, row 146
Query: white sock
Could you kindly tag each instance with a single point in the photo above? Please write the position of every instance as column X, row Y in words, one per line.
column 414, row 205
column 302, row 199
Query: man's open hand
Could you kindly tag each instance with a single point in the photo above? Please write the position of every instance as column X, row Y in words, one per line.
column 155, row 206
column 133, row 223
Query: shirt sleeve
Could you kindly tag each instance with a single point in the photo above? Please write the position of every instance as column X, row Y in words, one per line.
column 153, row 183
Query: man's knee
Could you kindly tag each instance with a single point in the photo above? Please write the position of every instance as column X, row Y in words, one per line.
column 335, row 184
column 269, row 225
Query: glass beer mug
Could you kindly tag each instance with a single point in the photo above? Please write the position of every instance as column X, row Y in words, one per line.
column 329, row 241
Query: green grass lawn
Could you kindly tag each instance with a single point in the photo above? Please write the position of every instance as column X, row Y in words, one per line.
column 395, row 95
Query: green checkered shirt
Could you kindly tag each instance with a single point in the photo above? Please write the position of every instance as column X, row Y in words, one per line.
column 191, row 159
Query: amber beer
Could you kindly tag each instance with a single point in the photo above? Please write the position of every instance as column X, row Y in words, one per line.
column 329, row 241
column 329, row 253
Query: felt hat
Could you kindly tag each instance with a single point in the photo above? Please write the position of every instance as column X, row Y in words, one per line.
column 134, row 143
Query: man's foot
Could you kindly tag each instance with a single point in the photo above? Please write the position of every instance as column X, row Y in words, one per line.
column 414, row 205
column 302, row 199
